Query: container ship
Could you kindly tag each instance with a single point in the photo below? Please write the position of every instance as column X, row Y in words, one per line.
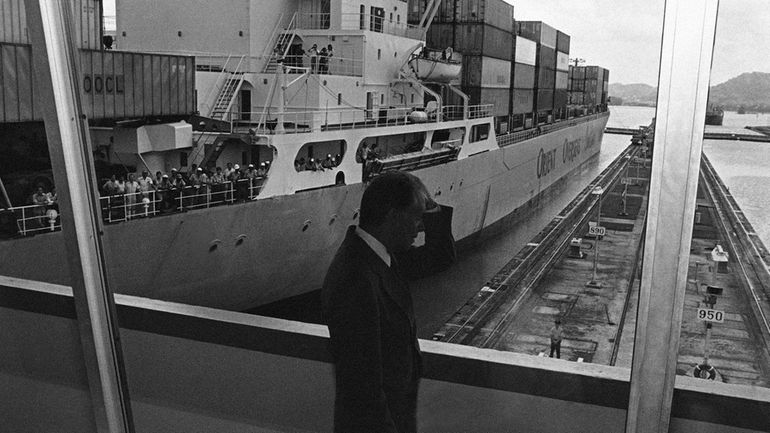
column 310, row 99
column 714, row 115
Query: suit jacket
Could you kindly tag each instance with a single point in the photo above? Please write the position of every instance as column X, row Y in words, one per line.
column 368, row 308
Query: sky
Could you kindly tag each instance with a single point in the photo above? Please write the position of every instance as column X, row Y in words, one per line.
column 624, row 35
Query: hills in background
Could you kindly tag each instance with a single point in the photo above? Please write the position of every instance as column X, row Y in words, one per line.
column 749, row 91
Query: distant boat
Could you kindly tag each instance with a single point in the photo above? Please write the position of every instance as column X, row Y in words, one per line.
column 714, row 116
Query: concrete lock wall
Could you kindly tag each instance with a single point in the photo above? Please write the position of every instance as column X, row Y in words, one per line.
column 194, row 368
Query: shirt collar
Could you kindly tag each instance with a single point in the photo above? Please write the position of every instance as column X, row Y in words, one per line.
column 375, row 245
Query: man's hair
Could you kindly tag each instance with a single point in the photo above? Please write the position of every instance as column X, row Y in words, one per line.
column 391, row 190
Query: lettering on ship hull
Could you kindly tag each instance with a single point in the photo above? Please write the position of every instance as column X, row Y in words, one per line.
column 570, row 150
column 546, row 162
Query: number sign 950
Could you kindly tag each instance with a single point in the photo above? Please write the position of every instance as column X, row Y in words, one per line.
column 708, row 315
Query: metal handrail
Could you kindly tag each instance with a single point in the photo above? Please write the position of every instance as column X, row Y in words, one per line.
column 318, row 120
column 34, row 219
column 235, row 91
column 359, row 21
column 273, row 36
column 222, row 74
column 314, row 21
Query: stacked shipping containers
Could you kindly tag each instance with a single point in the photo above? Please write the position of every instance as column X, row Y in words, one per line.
column 588, row 86
column 482, row 32
column 523, row 92
column 545, row 37
column 561, row 96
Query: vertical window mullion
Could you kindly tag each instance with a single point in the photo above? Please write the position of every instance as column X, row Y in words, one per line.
column 687, row 47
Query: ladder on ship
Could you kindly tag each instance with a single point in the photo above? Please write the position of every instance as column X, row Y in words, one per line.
column 215, row 146
column 229, row 91
column 283, row 41
column 210, row 144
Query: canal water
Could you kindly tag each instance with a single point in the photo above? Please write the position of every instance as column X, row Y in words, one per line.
column 743, row 166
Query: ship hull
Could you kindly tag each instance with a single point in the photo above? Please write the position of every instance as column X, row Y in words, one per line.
column 241, row 256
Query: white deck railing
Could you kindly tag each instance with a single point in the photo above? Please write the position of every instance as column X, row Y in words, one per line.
column 347, row 118
column 35, row 219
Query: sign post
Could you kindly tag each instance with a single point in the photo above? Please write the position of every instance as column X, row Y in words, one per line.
column 598, row 231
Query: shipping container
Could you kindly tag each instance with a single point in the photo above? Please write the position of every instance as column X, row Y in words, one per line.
column 537, row 31
column 17, row 96
column 523, row 76
column 115, row 85
column 500, row 99
column 576, row 98
column 523, row 101
column 591, row 86
column 13, row 23
column 578, row 72
column 87, row 23
column 495, row 13
column 562, row 81
column 526, row 51
column 562, row 61
column 592, row 72
column 479, row 71
column 119, row 85
column 577, row 85
column 546, row 57
column 606, row 75
column 560, row 98
column 562, row 42
column 546, row 78
column 544, row 100
column 472, row 39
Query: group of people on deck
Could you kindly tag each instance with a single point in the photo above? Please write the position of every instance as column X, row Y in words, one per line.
column 313, row 164
column 319, row 59
column 198, row 187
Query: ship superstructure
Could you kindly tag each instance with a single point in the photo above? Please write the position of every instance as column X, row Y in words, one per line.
column 319, row 96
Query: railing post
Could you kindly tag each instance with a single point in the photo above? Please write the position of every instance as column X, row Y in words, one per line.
column 23, row 221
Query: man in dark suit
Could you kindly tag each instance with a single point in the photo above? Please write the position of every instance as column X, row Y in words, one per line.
column 368, row 307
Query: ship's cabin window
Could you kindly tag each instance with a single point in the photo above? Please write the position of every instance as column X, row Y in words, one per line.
column 385, row 147
column 320, row 155
column 444, row 138
column 479, row 132
column 376, row 19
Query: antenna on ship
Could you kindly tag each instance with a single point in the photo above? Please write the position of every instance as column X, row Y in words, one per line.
column 577, row 61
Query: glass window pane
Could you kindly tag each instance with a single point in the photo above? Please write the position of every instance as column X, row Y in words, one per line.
column 725, row 326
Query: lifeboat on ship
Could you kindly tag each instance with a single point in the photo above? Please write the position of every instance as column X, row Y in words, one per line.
column 436, row 66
